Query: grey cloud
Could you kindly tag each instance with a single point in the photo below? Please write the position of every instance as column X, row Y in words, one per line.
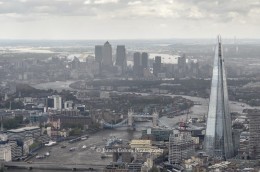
column 58, row 7
column 218, row 10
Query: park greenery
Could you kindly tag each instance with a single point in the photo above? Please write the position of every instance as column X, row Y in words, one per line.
column 13, row 123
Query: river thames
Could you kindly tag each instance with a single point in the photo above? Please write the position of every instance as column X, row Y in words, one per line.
column 61, row 156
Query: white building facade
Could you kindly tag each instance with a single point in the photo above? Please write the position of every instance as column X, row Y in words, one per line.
column 5, row 153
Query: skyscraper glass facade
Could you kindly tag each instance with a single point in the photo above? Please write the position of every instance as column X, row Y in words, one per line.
column 218, row 139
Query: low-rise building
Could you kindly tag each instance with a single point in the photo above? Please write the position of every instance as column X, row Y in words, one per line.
column 64, row 121
column 5, row 152
column 22, row 133
column 135, row 166
column 140, row 144
column 64, row 133
column 196, row 163
column 26, row 145
column 156, row 134
column 145, row 146
column 68, row 105
column 3, row 137
column 16, row 148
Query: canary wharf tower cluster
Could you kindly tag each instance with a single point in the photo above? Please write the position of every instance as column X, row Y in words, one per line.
column 218, row 139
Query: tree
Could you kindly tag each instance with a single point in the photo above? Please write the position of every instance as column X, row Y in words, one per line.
column 14, row 105
column 75, row 132
column 13, row 123
column 2, row 168
column 154, row 169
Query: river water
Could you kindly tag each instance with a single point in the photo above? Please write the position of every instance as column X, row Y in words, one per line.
column 57, row 85
column 87, row 156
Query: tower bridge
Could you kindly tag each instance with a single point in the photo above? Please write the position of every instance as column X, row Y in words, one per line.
column 130, row 120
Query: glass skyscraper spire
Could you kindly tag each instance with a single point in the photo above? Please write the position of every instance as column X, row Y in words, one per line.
column 218, row 138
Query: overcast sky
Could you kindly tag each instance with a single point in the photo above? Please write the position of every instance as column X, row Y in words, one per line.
column 128, row 19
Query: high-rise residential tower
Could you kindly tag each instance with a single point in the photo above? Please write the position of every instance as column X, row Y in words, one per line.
column 218, row 138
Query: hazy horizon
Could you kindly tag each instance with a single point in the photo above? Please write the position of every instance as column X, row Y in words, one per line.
column 125, row 39
column 114, row 42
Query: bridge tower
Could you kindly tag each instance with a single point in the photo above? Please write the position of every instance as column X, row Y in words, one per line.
column 155, row 118
column 130, row 117
column 2, row 123
column 101, row 124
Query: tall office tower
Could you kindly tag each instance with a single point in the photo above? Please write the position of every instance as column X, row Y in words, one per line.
column 99, row 57
column 75, row 64
column 182, row 61
column 182, row 66
column 121, row 57
column 144, row 60
column 218, row 138
column 107, row 55
column 137, row 68
column 99, row 53
column 2, row 124
column 158, row 59
column 180, row 146
column 254, row 136
column 157, row 65
column 194, row 68
column 137, row 59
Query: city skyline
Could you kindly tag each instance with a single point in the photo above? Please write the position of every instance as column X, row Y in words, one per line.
column 118, row 19
column 129, row 85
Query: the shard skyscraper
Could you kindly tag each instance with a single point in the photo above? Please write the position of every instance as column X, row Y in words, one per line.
column 218, row 139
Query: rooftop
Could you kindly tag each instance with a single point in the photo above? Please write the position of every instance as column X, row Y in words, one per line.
column 142, row 142
column 18, row 130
